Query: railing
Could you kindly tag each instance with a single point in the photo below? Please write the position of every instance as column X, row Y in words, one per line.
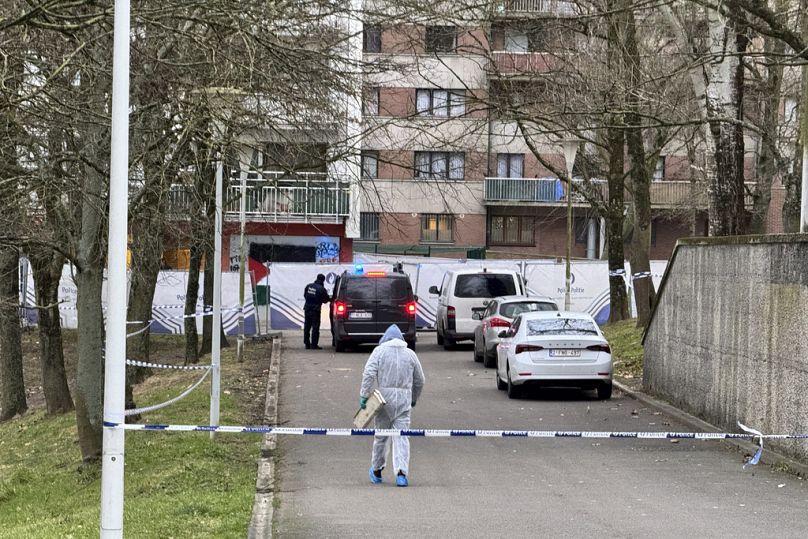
column 668, row 194
column 277, row 197
column 556, row 7
column 522, row 62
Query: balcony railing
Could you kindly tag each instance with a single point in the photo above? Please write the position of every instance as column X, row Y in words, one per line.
column 554, row 7
column 668, row 194
column 276, row 197
column 508, row 63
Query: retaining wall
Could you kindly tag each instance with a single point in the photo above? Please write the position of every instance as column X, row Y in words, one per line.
column 728, row 340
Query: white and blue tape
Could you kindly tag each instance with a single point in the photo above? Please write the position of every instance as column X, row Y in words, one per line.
column 136, row 363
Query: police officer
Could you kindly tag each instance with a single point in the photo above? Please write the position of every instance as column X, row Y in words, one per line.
column 315, row 294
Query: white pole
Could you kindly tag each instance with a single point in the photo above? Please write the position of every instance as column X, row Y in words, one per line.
column 570, row 149
column 354, row 119
column 115, row 353
column 242, row 211
column 804, row 199
column 216, row 338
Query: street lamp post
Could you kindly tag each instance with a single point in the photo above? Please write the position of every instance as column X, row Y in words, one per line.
column 570, row 149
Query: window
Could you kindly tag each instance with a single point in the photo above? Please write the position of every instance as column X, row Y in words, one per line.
column 369, row 226
column 372, row 39
column 510, row 230
column 790, row 111
column 440, row 103
column 485, row 285
column 370, row 164
column 441, row 38
column 510, row 165
column 659, row 169
column 392, row 288
column 440, row 165
column 511, row 310
column 560, row 326
column 516, row 41
column 437, row 228
column 370, row 101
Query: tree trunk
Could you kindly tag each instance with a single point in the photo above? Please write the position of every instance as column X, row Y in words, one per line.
column 207, row 324
column 618, row 296
column 12, row 384
column 191, row 295
column 47, row 268
column 767, row 164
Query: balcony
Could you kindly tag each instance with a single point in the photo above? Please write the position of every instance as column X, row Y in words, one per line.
column 521, row 63
column 550, row 191
column 523, row 8
column 276, row 197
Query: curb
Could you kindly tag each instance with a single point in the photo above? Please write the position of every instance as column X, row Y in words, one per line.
column 263, row 508
column 769, row 457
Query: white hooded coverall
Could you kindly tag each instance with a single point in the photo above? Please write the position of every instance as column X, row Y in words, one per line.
column 399, row 376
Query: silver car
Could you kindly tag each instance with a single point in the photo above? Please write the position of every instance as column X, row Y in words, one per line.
column 497, row 316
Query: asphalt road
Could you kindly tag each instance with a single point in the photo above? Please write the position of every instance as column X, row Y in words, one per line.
column 476, row 487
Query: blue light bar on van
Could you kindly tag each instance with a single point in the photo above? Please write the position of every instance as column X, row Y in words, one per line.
column 359, row 269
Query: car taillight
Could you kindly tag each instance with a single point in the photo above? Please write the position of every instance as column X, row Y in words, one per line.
column 499, row 323
column 411, row 308
column 528, row 348
column 340, row 309
column 450, row 312
column 600, row 348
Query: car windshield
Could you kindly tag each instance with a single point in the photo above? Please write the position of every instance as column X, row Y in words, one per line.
column 561, row 326
column 485, row 285
column 511, row 310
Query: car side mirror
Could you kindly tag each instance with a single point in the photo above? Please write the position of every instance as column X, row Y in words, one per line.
column 477, row 316
column 434, row 290
column 503, row 334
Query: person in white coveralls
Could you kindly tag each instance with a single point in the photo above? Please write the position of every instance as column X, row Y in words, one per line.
column 396, row 371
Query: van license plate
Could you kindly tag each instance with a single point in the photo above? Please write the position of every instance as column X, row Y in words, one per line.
column 564, row 353
column 360, row 316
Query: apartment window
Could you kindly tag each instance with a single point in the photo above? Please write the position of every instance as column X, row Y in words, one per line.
column 441, row 38
column 511, row 230
column 437, row 228
column 441, row 103
column 369, row 226
column 370, row 101
column 370, row 164
column 659, row 169
column 372, row 39
column 440, row 165
column 516, row 41
column 510, row 165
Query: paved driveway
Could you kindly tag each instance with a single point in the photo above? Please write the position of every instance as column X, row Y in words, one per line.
column 478, row 487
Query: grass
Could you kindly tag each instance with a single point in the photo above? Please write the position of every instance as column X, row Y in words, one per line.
column 176, row 484
column 627, row 351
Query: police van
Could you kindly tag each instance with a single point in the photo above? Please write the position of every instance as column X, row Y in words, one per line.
column 366, row 303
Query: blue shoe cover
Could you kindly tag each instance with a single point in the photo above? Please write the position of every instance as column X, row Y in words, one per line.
column 401, row 481
column 373, row 478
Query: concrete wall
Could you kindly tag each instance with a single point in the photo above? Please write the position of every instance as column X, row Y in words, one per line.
column 729, row 338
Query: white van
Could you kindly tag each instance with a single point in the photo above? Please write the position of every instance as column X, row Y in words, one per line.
column 465, row 292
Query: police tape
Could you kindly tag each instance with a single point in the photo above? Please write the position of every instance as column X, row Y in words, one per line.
column 136, row 363
column 153, row 407
column 206, row 312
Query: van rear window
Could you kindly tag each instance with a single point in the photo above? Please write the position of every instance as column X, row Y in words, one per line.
column 485, row 285
column 363, row 288
column 395, row 289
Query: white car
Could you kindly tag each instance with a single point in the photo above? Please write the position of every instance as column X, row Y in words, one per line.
column 554, row 349
column 498, row 315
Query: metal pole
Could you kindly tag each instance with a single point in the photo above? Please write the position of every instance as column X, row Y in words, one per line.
column 804, row 132
column 242, row 210
column 567, row 300
column 115, row 352
column 216, row 341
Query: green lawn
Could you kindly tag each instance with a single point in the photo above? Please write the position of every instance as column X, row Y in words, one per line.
column 176, row 484
column 627, row 352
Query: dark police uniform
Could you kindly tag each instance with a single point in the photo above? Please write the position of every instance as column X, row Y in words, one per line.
column 315, row 295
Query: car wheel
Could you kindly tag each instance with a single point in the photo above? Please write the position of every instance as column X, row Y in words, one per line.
column 605, row 391
column 440, row 337
column 514, row 392
column 339, row 346
column 411, row 345
column 448, row 343
column 478, row 357
column 489, row 360
column 500, row 384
